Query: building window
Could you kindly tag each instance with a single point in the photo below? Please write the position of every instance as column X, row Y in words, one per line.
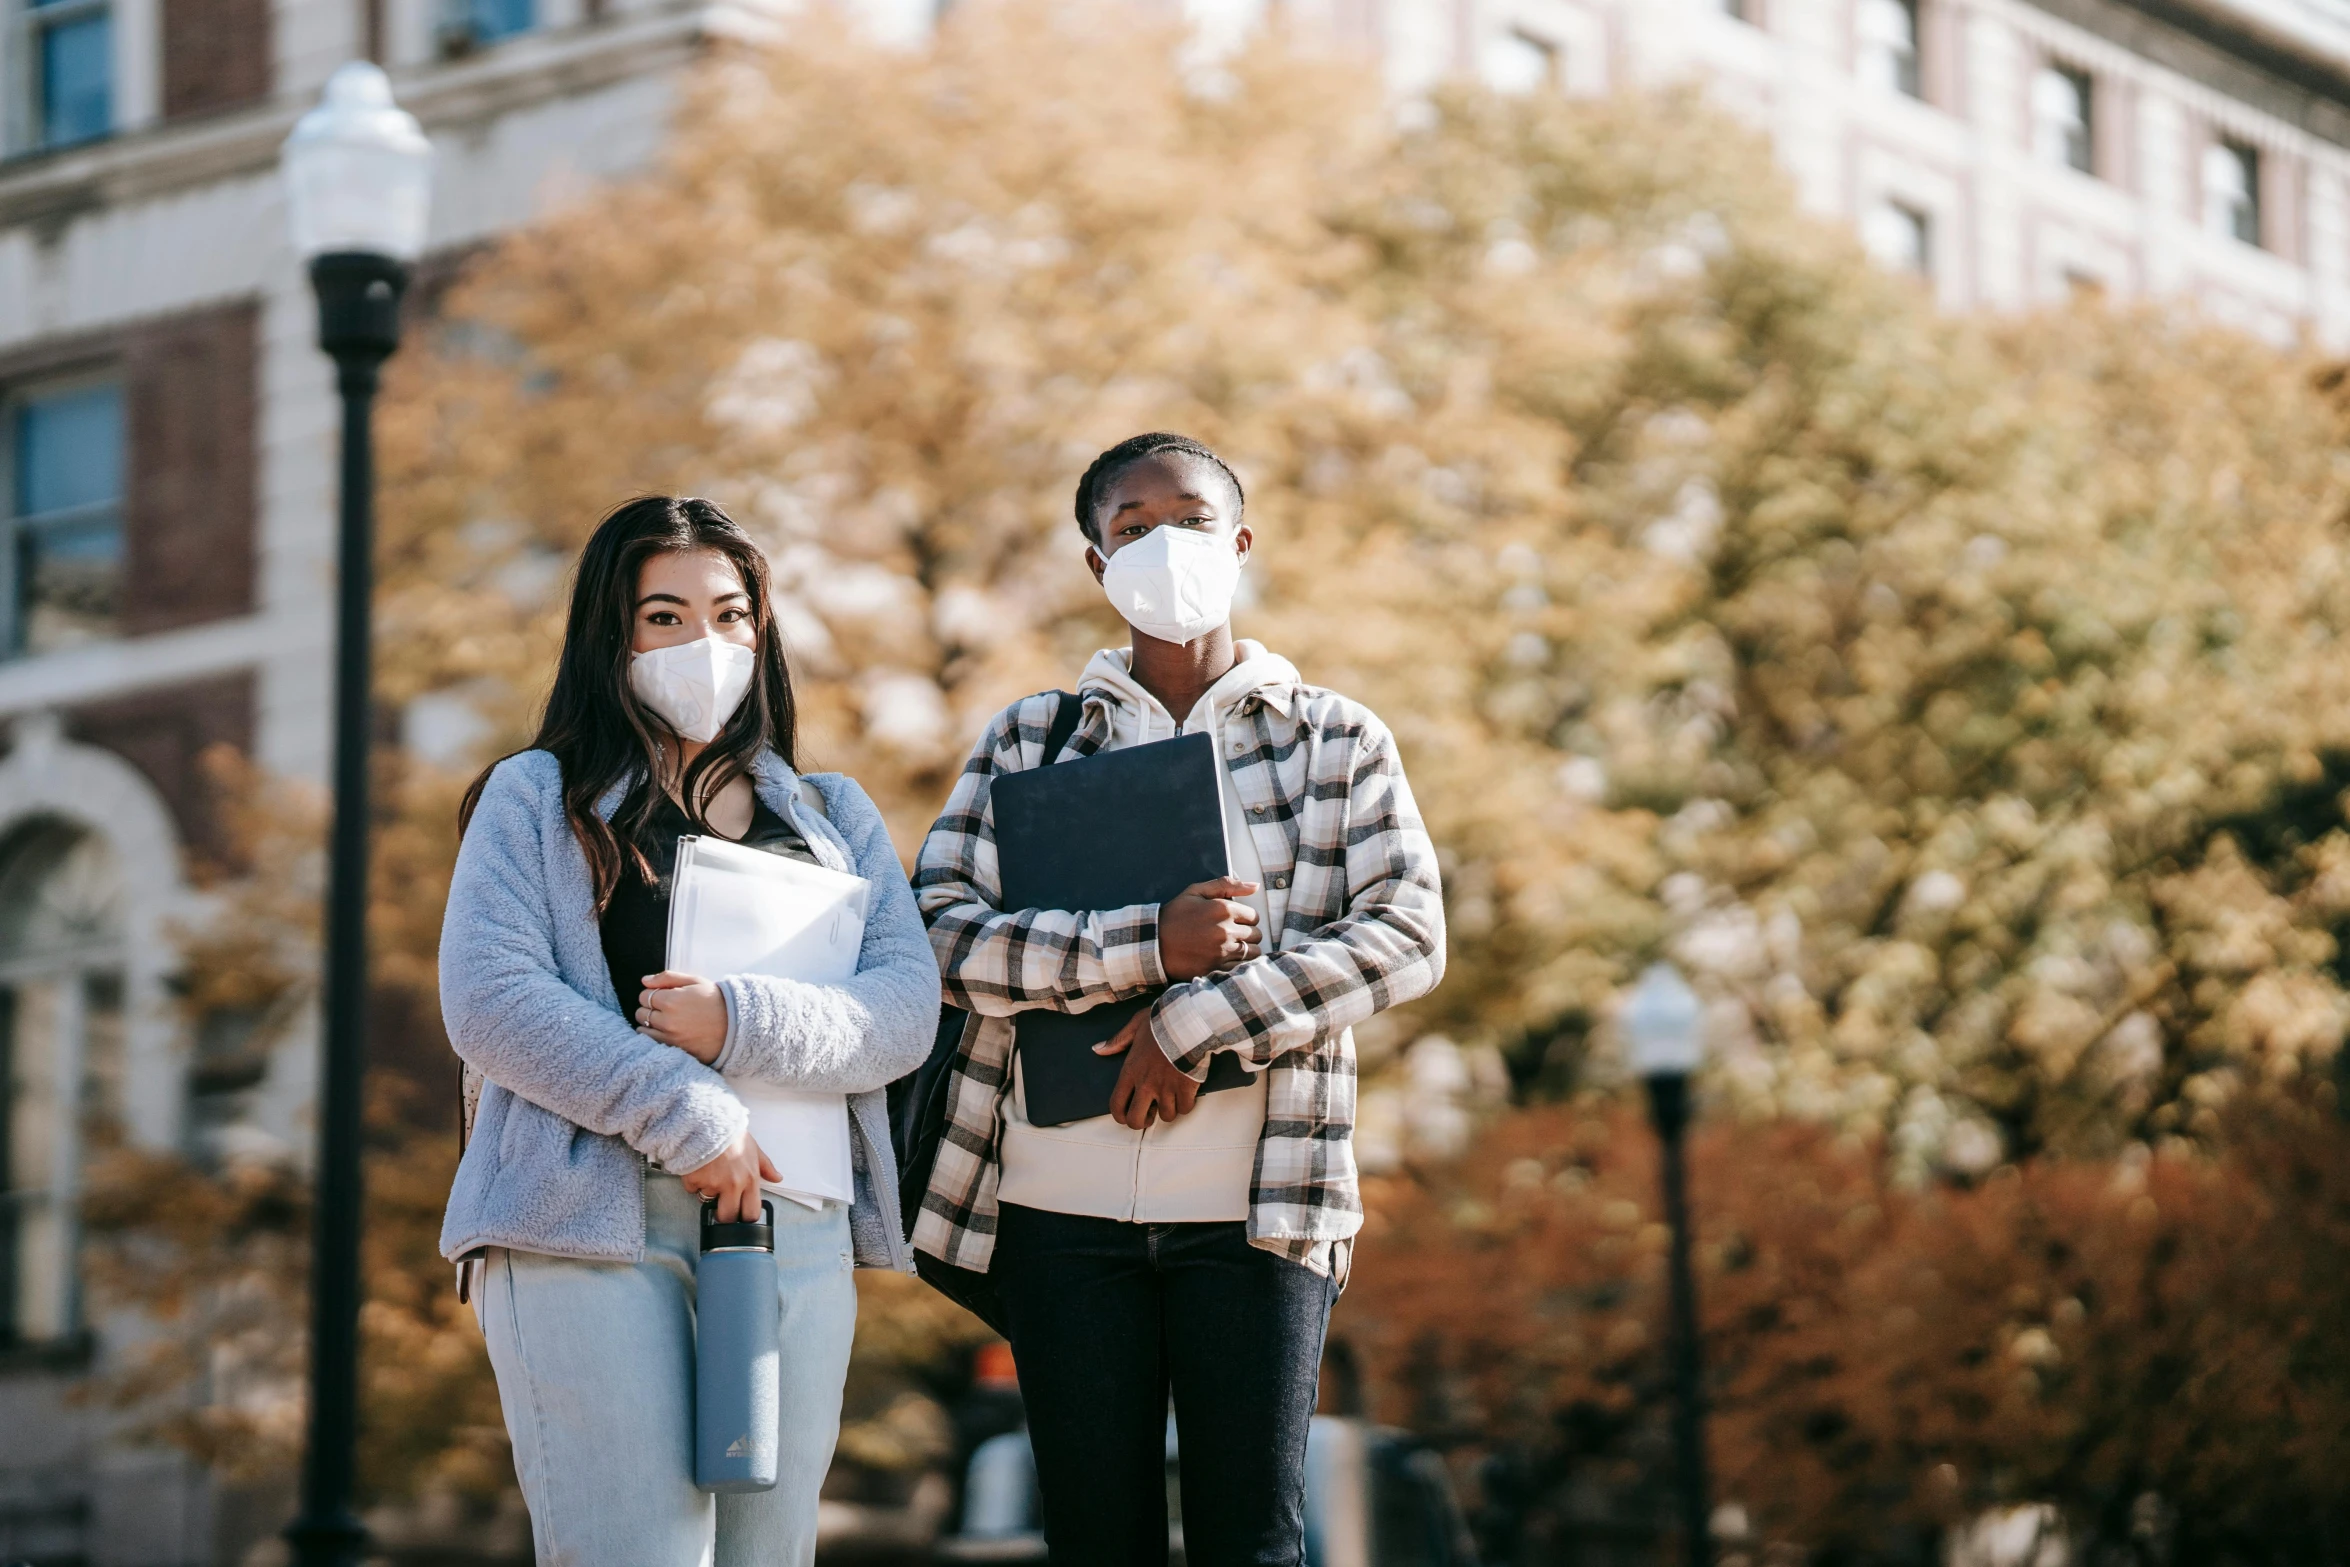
column 2231, row 191
column 2060, row 118
column 1900, row 236
column 467, row 25
column 1889, row 46
column 64, row 544
column 66, row 71
column 1519, row 62
column 61, row 1062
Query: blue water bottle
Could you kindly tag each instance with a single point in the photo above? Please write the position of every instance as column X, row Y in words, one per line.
column 737, row 1421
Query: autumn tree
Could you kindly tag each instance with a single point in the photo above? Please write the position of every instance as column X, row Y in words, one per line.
column 1955, row 697
column 2137, row 1342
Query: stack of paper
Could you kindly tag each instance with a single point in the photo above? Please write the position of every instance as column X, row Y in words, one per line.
column 734, row 910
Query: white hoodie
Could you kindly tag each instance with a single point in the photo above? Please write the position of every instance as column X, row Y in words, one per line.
column 1198, row 1167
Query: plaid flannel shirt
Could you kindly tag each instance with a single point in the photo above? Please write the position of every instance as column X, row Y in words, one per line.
column 1319, row 781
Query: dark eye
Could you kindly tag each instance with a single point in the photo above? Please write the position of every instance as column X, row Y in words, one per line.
column 664, row 617
column 729, row 616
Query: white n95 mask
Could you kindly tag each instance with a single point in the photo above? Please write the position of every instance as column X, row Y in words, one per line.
column 1174, row 583
column 695, row 686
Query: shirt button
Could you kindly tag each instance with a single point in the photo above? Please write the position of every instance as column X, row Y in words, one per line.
column 1256, row 810
column 1239, row 747
column 1281, row 882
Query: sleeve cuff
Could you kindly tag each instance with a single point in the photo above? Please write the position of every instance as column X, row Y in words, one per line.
column 732, row 1121
column 725, row 1058
column 1130, row 949
column 1168, row 1048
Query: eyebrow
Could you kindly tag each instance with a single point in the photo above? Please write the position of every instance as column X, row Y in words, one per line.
column 671, row 598
column 1181, row 495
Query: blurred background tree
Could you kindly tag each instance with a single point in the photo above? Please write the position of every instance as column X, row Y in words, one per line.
column 2141, row 1342
column 1958, row 700
column 1952, row 696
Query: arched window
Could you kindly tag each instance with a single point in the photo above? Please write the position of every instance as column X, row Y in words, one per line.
column 61, row 1060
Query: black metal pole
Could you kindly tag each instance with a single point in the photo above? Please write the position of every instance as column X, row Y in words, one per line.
column 359, row 324
column 1668, row 1103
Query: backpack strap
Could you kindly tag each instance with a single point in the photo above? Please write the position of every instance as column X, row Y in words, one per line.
column 1068, row 708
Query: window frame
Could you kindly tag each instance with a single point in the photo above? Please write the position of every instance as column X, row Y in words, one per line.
column 2084, row 83
column 455, row 34
column 1921, row 220
column 1550, row 51
column 28, row 23
column 14, row 397
column 2249, row 161
column 77, row 973
column 1909, row 72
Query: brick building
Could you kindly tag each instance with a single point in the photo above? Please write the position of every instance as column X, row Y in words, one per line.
column 166, row 439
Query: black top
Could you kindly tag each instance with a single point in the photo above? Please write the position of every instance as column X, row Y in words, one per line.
column 636, row 921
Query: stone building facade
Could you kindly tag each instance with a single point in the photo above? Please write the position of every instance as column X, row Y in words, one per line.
column 167, row 460
column 2013, row 151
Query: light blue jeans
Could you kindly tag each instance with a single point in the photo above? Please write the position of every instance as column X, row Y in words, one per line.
column 595, row 1365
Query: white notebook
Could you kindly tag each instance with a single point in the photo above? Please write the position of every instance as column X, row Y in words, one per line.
column 734, row 910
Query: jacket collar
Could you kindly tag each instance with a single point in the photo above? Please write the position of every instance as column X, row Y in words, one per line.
column 1259, row 676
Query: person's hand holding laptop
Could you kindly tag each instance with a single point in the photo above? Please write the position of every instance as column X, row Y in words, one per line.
column 1205, row 929
column 1202, row 930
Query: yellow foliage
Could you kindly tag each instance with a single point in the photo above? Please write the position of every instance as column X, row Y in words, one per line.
column 1896, row 672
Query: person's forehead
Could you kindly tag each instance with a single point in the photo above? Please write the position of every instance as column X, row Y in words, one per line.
column 705, row 569
column 1193, row 477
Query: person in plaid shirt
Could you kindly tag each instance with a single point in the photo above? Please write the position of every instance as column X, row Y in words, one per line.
column 1181, row 1244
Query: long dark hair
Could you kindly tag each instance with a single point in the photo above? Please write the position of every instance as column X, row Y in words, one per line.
column 594, row 724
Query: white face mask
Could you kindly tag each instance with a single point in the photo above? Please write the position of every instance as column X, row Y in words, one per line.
column 696, row 686
column 1173, row 583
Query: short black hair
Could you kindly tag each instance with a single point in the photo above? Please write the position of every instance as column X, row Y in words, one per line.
column 1105, row 469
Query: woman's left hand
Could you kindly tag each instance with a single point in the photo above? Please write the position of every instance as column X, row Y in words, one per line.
column 684, row 1010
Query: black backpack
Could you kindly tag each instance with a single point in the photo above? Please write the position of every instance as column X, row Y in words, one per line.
column 918, row 1105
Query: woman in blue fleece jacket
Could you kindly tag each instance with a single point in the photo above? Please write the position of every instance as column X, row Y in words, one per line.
column 603, row 1121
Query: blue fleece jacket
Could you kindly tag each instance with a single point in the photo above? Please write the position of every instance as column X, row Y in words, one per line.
column 576, row 1102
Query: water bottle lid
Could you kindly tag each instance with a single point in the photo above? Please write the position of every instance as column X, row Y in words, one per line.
column 741, row 1235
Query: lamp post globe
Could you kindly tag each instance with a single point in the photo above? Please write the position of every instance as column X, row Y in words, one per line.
column 1663, row 1024
column 358, row 185
column 358, row 171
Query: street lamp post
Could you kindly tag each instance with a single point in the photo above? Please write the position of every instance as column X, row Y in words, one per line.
column 1663, row 1023
column 358, row 174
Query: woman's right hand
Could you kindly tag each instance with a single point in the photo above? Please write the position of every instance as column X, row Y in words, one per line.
column 733, row 1179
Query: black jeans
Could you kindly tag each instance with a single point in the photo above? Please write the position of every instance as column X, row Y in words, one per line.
column 1107, row 1319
